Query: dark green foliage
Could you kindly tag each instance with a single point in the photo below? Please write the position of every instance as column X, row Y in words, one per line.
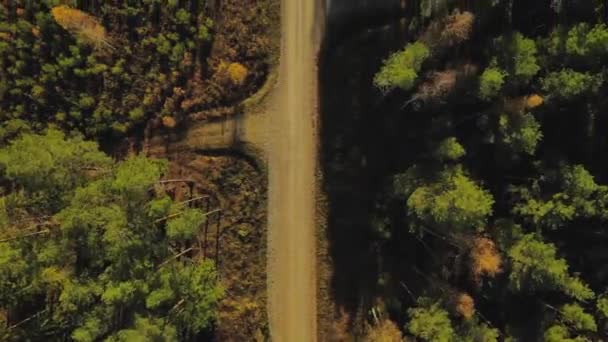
column 528, row 199
column 61, row 79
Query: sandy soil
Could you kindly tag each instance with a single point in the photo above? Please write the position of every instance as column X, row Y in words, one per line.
column 291, row 168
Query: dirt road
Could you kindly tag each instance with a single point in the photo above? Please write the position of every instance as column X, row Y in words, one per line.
column 292, row 162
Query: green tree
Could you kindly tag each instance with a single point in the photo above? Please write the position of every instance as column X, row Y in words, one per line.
column 568, row 84
column 50, row 165
column 103, row 264
column 186, row 225
column 520, row 132
column 400, row 70
column 559, row 333
column 449, row 149
column 518, row 55
column 430, row 323
column 491, row 82
column 146, row 329
column 575, row 316
column 535, row 266
column 586, row 41
column 602, row 305
column 453, row 202
column 474, row 331
column 579, row 196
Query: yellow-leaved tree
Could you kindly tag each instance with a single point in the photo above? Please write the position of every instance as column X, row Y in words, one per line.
column 235, row 72
column 81, row 24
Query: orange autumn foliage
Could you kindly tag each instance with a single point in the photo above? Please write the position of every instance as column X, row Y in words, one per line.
column 465, row 305
column 80, row 23
column 534, row 101
column 169, row 122
column 485, row 259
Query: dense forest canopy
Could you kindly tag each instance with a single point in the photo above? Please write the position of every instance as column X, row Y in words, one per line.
column 98, row 249
column 88, row 248
column 480, row 140
column 104, row 67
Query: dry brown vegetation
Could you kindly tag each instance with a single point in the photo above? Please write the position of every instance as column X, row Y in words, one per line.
column 237, row 188
column 385, row 331
column 458, row 28
column 243, row 38
column 340, row 328
column 449, row 31
column 438, row 86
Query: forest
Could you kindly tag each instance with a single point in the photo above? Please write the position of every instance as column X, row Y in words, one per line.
column 100, row 238
column 465, row 174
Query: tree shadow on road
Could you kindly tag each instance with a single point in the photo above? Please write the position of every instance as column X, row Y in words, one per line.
column 364, row 138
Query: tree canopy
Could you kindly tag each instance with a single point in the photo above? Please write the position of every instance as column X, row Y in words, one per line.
column 473, row 199
column 100, row 264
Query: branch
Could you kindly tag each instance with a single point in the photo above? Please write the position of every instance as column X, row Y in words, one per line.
column 442, row 237
column 427, row 248
column 174, row 257
column 168, row 217
column 193, row 199
column 212, row 212
column 181, row 212
column 27, row 319
column 178, row 304
column 408, row 291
